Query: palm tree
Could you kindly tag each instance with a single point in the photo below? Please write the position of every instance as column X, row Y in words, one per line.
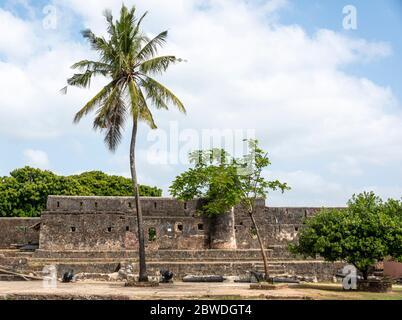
column 128, row 58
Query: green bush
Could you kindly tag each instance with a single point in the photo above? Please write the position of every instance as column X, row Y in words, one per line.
column 24, row 193
column 366, row 232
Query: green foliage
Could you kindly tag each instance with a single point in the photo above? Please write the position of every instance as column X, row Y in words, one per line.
column 368, row 231
column 253, row 183
column 24, row 193
column 151, row 234
column 223, row 181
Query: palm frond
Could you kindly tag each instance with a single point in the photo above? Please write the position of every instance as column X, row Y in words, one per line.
column 134, row 97
column 157, row 65
column 101, row 45
column 81, row 80
column 137, row 27
column 98, row 68
column 94, row 102
column 111, row 117
column 145, row 113
column 151, row 48
column 114, row 134
column 139, row 106
column 109, row 19
column 154, row 96
column 102, row 114
column 158, row 92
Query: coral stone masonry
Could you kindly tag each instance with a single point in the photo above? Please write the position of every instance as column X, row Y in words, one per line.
column 96, row 234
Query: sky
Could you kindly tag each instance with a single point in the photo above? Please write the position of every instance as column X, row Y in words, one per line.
column 318, row 86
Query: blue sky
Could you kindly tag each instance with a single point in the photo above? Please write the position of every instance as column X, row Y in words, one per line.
column 377, row 20
column 324, row 101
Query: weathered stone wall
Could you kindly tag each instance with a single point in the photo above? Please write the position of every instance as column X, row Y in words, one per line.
column 278, row 226
column 18, row 231
column 75, row 231
column 324, row 271
column 109, row 224
column 222, row 232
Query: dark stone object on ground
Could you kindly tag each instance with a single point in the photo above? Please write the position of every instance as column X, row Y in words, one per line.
column 259, row 276
column 285, row 280
column 374, row 285
column 200, row 278
column 29, row 247
column 68, row 277
column 167, row 276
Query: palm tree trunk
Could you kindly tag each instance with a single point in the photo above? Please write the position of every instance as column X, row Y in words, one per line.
column 264, row 256
column 143, row 277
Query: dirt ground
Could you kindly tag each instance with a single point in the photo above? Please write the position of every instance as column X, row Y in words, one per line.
column 103, row 290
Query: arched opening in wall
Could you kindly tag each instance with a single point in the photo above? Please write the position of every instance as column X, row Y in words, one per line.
column 185, row 205
column 109, row 229
column 200, row 227
column 58, row 204
column 96, row 205
column 151, row 234
column 81, row 205
column 127, row 228
column 129, row 204
column 73, row 229
column 296, row 229
column 155, row 205
column 179, row 227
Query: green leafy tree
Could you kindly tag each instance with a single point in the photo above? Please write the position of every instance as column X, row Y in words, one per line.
column 213, row 179
column 24, row 193
column 97, row 183
column 368, row 231
column 128, row 59
column 224, row 182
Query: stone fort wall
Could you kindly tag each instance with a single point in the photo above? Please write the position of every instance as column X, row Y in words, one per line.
column 18, row 231
column 109, row 224
column 96, row 234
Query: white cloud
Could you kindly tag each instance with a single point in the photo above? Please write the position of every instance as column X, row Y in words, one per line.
column 386, row 192
column 346, row 166
column 37, row 158
column 17, row 39
column 307, row 189
column 242, row 72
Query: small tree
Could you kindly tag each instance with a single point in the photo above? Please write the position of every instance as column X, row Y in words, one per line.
column 224, row 182
column 366, row 232
column 253, row 186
